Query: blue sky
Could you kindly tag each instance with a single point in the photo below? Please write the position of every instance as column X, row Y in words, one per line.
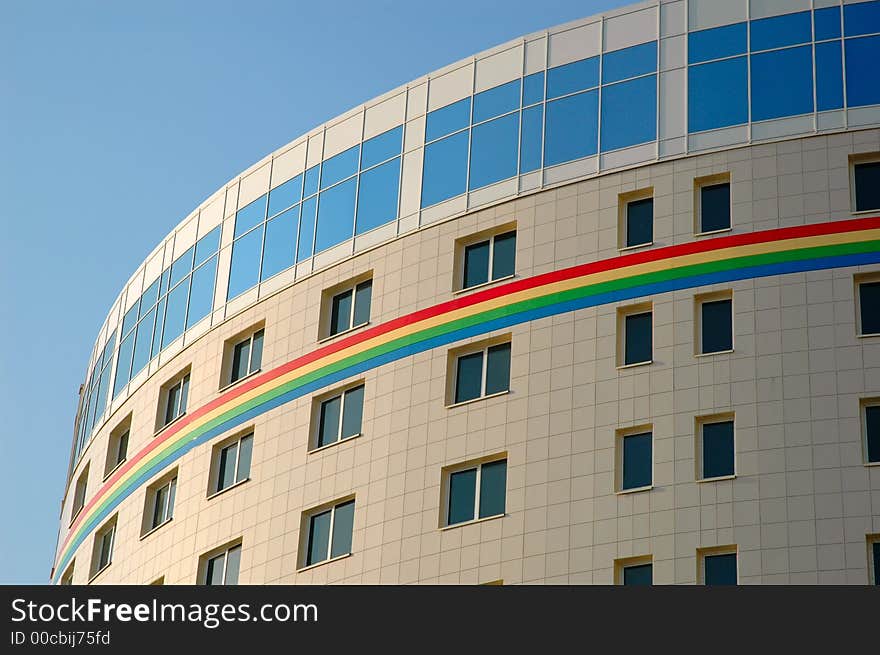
column 116, row 120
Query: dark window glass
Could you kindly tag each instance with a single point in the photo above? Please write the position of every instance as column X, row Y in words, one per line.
column 462, row 496
column 827, row 23
column 720, row 569
column 718, row 452
column 343, row 523
column 285, row 195
column 629, row 62
column 447, row 120
column 530, row 140
column 173, row 403
column 718, row 94
column 468, row 377
column 862, row 18
column 476, row 264
column 319, row 537
column 829, row 76
column 226, row 473
column 340, row 313
column 214, row 571
column 122, row 448
column 328, row 425
column 637, row 461
column 493, row 488
column 106, row 551
column 861, row 70
column 352, row 412
column 244, row 458
column 770, row 99
column 717, row 326
column 382, row 147
column 872, row 430
column 503, row 255
column 779, row 31
column 233, row 560
column 641, row 574
column 716, row 43
column 867, row 180
column 639, row 222
column 638, row 338
column 498, row 369
column 159, row 506
column 571, row 128
column 576, row 76
column 876, row 549
column 240, row 357
column 279, row 249
column 362, row 300
column 714, row 207
column 496, row 101
column 533, row 88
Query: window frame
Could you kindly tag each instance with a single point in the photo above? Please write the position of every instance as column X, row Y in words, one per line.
column 483, row 347
column 211, row 555
column 703, row 553
column 109, row 528
column 214, row 478
column 873, row 541
column 306, row 533
column 328, row 296
column 169, row 481
column 713, row 296
column 623, row 563
column 461, row 246
column 620, row 436
column 699, row 423
column 67, row 576
column 864, row 404
column 446, row 487
column 623, row 202
column 120, row 432
column 249, row 339
column 858, row 280
column 317, row 406
column 181, row 380
column 708, row 181
column 854, row 160
column 79, row 503
column 622, row 314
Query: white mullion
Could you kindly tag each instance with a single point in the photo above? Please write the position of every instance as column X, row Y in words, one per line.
column 489, row 277
column 223, row 570
column 341, row 414
column 351, row 311
column 237, row 457
column 477, row 492
column 330, row 535
column 484, row 372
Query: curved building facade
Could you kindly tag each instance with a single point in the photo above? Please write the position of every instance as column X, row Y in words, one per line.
column 599, row 305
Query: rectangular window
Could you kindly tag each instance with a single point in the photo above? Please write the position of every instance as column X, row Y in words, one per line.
column 714, row 322
column 350, row 308
column 629, row 113
column 717, row 566
column 716, row 454
column 340, row 416
column 162, row 503
column 487, row 259
column 247, row 356
column 571, row 128
column 175, row 400
column 634, row 571
column 635, row 462
column 222, row 568
column 712, row 203
column 871, row 430
column 873, row 558
column 79, row 493
column 102, row 554
column 635, row 335
column 329, row 532
column 480, row 373
column 866, row 185
column 475, row 492
column 233, row 462
column 718, row 94
column 117, row 446
column 636, row 218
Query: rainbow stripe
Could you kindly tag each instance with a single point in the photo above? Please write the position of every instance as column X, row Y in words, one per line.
column 708, row 261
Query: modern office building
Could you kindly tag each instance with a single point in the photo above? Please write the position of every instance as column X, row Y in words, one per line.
column 598, row 305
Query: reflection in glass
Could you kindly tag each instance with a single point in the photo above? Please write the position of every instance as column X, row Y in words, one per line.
column 571, row 128
column 445, row 169
column 335, row 215
column 377, row 196
column 244, row 271
column 494, row 151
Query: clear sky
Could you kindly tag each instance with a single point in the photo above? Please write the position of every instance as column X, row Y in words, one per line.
column 116, row 120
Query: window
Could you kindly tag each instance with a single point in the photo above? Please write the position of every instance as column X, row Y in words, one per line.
column 67, row 576
column 634, row 571
column 871, row 429
column 479, row 373
column 635, row 335
column 329, row 532
column 222, row 568
column 102, row 553
column 159, row 507
column 715, row 447
column 247, row 356
column 117, row 447
column 873, row 559
column 175, row 395
column 717, row 566
column 636, row 218
column 634, row 458
column 475, row 491
column 339, row 416
column 712, row 203
column 79, row 493
column 866, row 182
column 714, row 322
column 351, row 308
column 232, row 462
column 484, row 259
column 868, row 304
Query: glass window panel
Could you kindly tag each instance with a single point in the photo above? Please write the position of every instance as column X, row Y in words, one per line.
column 233, row 561
column 503, row 255
column 159, row 506
column 122, row 447
column 496, row 101
column 172, row 404
column 869, row 307
column 182, row 266
column 827, row 23
column 377, row 196
column 106, row 549
column 629, row 113
column 340, row 312
column 201, row 293
column 462, row 496
column 214, row 570
column 447, row 120
column 716, row 43
column 175, row 313
column 279, row 249
column 829, row 76
column 166, row 276
column 250, row 215
column 494, row 151
column 149, row 297
column 572, row 126
column 244, row 458
column 493, row 488
column 530, row 146
column 862, row 18
column 718, row 94
column 637, row 462
column 335, row 215
column 240, row 356
column 184, row 394
column 779, row 31
column 362, row 302
column 638, row 337
column 244, row 271
column 720, row 569
column 207, row 245
column 103, row 388
column 445, row 169
column 876, row 548
column 382, row 147
column 642, row 574
column 108, row 349
column 352, row 412
column 498, row 369
column 770, row 99
column 142, row 343
column 718, row 453
column 328, row 425
column 714, row 207
column 717, row 328
column 340, row 166
column 319, row 538
column 343, row 524
column 306, row 229
column 476, row 264
column 639, row 222
column 226, row 472
column 285, row 195
column 130, row 318
column 310, row 182
column 257, row 352
column 468, row 377
column 160, row 324
column 629, row 62
column 533, row 88
column 862, row 56
column 576, row 76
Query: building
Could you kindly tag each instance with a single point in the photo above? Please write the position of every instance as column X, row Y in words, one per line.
column 598, row 305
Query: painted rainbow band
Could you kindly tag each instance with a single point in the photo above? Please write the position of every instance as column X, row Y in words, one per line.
column 697, row 263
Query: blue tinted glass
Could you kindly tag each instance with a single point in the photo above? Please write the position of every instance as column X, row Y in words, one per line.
column 160, row 324
column 103, row 388
column 201, row 293
column 108, row 350
column 445, row 171
column 530, row 148
column 498, row 369
column 829, row 76
column 244, row 270
column 533, row 88
column 182, row 266
column 827, row 23
column 310, row 183
column 718, row 94
column 862, row 56
column 175, row 313
column 872, row 430
column 149, row 297
column 876, row 550
column 494, row 151
column 716, row 43
column 641, row 574
column 718, row 452
column 131, row 317
column 468, row 377
column 306, row 229
column 778, row 31
column 629, row 113
column 382, row 147
column 142, row 342
column 250, row 216
column 717, row 328
column 163, row 287
column 340, row 166
column 571, row 128
column 862, row 18
column 629, row 62
column 462, row 496
column 319, row 538
column 207, row 245
column 377, row 196
column 343, row 524
column 493, row 488
column 285, row 195
column 123, row 364
column 448, row 119
column 638, row 339
column 637, row 461
column 576, row 76
column 335, row 215
column 496, row 101
column 770, row 99
column 280, row 248
column 720, row 569
column 352, row 412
